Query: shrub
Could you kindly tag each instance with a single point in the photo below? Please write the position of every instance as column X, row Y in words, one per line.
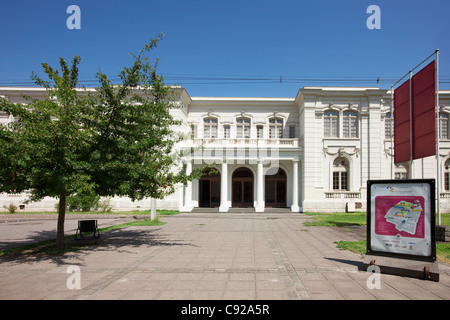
column 11, row 208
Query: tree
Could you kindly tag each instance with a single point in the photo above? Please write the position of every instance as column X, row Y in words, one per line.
column 46, row 146
column 118, row 140
column 133, row 151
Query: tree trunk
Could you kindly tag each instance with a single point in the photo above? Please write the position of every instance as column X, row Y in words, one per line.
column 61, row 217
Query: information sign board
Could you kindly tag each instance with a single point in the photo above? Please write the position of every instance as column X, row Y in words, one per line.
column 401, row 218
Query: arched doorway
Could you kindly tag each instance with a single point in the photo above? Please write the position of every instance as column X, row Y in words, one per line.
column 242, row 188
column 209, row 190
column 276, row 189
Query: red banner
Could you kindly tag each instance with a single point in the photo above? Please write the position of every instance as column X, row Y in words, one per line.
column 423, row 95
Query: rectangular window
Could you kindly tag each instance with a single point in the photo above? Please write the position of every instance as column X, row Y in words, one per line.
column 344, row 181
column 447, row 181
column 276, row 128
column 193, row 132
column 259, row 132
column 443, row 126
column 243, row 128
column 331, row 127
column 401, row 176
column 388, row 126
column 226, row 132
column 350, row 124
column 340, row 180
column 336, row 181
column 210, row 128
column 292, row 132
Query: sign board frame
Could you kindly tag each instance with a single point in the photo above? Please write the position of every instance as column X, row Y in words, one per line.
column 393, row 190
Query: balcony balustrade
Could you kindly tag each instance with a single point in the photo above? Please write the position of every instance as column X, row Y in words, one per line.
column 284, row 142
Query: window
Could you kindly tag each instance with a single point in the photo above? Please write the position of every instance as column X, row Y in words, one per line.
column 447, row 175
column 193, row 132
column 331, row 126
column 400, row 172
column 243, row 128
column 388, row 126
column 226, row 132
column 443, row 126
column 210, row 128
column 340, row 174
column 276, row 128
column 350, row 124
column 259, row 132
column 292, row 132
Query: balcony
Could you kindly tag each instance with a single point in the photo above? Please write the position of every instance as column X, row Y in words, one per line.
column 247, row 142
column 342, row 195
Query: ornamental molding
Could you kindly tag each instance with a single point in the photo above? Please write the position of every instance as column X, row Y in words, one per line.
column 342, row 151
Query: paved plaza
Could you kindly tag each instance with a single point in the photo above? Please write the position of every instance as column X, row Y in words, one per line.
column 214, row 256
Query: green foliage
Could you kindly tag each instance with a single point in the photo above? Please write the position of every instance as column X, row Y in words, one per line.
column 84, row 199
column 11, row 208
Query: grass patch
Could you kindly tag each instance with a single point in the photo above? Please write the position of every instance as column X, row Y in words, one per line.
column 359, row 247
column 337, row 219
column 49, row 246
column 445, row 219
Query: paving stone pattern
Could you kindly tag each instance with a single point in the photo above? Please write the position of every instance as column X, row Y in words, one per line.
column 234, row 256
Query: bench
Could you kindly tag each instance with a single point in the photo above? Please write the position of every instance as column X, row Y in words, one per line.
column 87, row 226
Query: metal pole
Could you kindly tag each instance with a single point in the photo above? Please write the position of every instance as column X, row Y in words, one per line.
column 392, row 132
column 437, row 140
column 410, row 127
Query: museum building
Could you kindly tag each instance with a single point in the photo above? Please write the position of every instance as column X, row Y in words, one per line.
column 310, row 153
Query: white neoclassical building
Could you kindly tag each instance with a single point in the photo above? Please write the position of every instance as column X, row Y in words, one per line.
column 310, row 153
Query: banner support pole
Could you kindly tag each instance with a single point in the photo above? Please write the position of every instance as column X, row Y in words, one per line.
column 438, row 175
column 411, row 176
column 392, row 132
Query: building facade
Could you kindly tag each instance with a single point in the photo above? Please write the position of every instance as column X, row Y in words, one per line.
column 310, row 153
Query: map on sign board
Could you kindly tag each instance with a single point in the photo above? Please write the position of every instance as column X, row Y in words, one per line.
column 399, row 215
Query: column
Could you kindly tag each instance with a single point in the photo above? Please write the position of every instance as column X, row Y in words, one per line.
column 224, row 188
column 294, row 206
column 188, row 191
column 260, row 191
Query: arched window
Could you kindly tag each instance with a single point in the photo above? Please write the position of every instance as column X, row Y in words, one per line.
column 330, row 123
column 340, row 174
column 401, row 172
column 388, row 125
column 275, row 128
column 210, row 128
column 443, row 126
column 243, row 128
column 350, row 124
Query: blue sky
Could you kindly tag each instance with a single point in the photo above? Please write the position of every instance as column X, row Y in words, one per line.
column 230, row 48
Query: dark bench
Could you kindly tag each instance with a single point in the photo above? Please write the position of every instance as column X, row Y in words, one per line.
column 85, row 226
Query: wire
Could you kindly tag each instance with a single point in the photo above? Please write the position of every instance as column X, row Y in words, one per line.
column 227, row 79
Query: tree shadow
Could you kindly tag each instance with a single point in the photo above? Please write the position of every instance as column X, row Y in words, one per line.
column 122, row 240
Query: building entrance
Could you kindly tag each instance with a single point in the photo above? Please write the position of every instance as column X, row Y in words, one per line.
column 242, row 188
column 276, row 189
column 209, row 190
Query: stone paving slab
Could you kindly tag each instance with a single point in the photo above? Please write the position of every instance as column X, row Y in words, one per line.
column 213, row 256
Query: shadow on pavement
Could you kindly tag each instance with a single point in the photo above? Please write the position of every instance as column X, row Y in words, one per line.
column 118, row 241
